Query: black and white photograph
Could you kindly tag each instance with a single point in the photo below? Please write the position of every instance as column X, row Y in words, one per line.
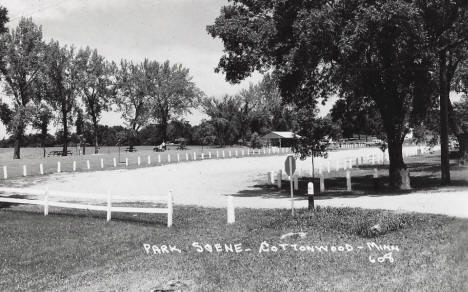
column 233, row 145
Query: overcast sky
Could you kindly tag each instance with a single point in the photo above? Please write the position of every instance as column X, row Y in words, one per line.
column 161, row 30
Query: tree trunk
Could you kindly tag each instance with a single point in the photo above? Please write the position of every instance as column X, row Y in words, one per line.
column 444, row 99
column 399, row 175
column 44, row 136
column 65, row 133
column 163, row 127
column 18, row 140
column 96, row 140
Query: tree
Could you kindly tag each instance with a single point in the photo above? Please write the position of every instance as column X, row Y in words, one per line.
column 95, row 86
column 446, row 28
column 171, row 90
column 132, row 99
column 62, row 85
column 41, row 122
column 356, row 49
column 22, row 54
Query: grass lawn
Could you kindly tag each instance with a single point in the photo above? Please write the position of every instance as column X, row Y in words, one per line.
column 70, row 250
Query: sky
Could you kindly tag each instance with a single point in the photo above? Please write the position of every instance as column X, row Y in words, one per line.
column 160, row 30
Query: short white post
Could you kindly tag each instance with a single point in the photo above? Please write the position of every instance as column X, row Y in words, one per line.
column 279, row 178
column 202, row 156
column 159, row 158
column 178, row 157
column 310, row 196
column 186, row 156
column 296, row 183
column 328, row 166
column 74, row 166
column 322, row 183
column 337, row 168
column 169, row 158
column 102, row 162
column 357, row 161
column 230, row 154
column 217, row 154
column 243, row 152
column 41, row 169
column 5, row 172
column 25, row 173
column 376, row 173
column 351, row 161
column 236, row 153
column 114, row 161
column 264, row 151
column 126, row 161
column 109, row 206
column 46, row 202
column 149, row 160
column 139, row 161
column 209, row 155
column 58, row 167
column 348, row 181
column 372, row 159
column 269, row 151
column 194, row 156
column 269, row 178
column 224, row 154
column 87, row 164
column 231, row 217
column 170, row 210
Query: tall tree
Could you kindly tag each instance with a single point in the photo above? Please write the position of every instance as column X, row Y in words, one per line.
column 132, row 99
column 355, row 48
column 42, row 119
column 95, row 86
column 22, row 55
column 446, row 28
column 62, row 84
column 171, row 90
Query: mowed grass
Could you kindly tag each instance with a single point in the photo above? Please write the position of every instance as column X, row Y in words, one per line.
column 75, row 250
column 32, row 158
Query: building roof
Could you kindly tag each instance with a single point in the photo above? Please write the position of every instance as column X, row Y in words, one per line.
column 280, row 135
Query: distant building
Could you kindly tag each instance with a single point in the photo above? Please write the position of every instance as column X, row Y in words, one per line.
column 279, row 139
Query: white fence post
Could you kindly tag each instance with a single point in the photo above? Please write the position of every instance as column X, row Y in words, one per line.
column 138, row 160
column 102, row 162
column 230, row 154
column 41, row 169
column 109, row 206
column 186, row 156
column 126, row 161
column 25, row 172
column 178, row 157
column 279, row 178
column 149, row 159
column 348, row 181
column 322, row 183
column 224, row 154
column 337, row 168
column 114, row 161
column 58, row 167
column 217, row 154
column 169, row 209
column 231, row 216
column 194, row 156
column 169, row 158
column 237, row 153
column 159, row 158
column 296, row 183
column 328, row 166
column 87, row 164
column 46, row 202
column 74, row 165
column 5, row 172
column 202, row 156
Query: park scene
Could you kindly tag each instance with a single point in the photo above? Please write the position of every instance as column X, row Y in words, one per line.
column 233, row 145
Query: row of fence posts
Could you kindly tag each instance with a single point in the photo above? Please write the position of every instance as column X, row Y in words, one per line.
column 169, row 159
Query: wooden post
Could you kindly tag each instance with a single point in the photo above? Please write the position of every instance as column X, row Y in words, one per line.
column 231, row 216
column 170, row 210
column 58, row 167
column 322, row 183
column 348, row 181
column 310, row 193
column 46, row 202
column 5, row 172
column 102, row 162
column 279, row 178
column 114, row 161
column 25, row 172
column 87, row 164
column 74, row 165
column 41, row 169
column 109, row 206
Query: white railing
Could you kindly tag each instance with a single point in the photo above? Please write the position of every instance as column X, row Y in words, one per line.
column 108, row 208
